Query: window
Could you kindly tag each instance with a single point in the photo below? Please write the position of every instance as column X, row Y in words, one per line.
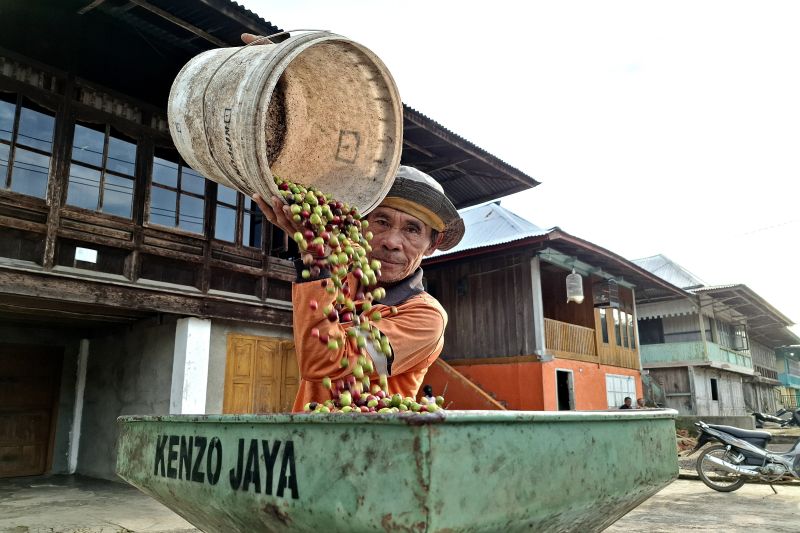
column 617, row 388
column 229, row 204
column 708, row 328
column 101, row 171
column 740, row 342
column 604, row 325
column 651, row 331
column 227, row 201
column 177, row 194
column 617, row 332
column 714, row 391
column 251, row 225
column 26, row 144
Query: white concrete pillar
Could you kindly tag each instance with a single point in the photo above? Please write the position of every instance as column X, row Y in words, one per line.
column 540, row 348
column 77, row 409
column 190, row 366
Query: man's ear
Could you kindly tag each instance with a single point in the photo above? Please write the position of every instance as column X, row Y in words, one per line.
column 435, row 245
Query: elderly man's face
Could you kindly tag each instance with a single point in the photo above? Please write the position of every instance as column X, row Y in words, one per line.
column 399, row 242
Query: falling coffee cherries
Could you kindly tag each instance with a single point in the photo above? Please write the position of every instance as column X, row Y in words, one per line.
column 335, row 240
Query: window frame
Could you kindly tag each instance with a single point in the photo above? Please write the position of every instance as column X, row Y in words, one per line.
column 20, row 100
column 151, row 183
column 241, row 209
column 107, row 131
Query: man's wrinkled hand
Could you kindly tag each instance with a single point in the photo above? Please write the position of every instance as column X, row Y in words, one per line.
column 279, row 214
column 248, row 38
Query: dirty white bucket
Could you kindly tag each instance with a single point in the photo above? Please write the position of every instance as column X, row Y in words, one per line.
column 318, row 109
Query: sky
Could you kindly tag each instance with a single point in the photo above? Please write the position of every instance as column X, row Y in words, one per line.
column 654, row 127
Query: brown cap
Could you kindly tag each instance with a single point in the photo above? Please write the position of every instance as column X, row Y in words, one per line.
column 421, row 196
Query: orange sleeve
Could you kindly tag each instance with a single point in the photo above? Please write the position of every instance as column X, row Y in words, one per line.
column 416, row 333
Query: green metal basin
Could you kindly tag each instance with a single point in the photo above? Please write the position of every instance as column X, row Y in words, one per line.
column 456, row 471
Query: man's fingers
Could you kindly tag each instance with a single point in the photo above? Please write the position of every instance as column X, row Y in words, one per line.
column 248, row 38
column 267, row 210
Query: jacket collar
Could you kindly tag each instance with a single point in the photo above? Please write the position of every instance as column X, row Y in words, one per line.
column 404, row 289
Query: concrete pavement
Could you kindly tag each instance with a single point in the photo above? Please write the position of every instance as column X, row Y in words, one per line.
column 688, row 505
column 74, row 504
column 77, row 504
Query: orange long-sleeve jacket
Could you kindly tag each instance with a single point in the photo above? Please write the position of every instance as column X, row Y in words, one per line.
column 415, row 333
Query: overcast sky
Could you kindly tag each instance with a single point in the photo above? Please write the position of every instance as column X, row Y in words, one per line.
column 655, row 127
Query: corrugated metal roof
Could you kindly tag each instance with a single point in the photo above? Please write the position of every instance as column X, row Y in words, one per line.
column 676, row 307
column 670, row 271
column 469, row 174
column 489, row 225
column 224, row 19
column 714, row 287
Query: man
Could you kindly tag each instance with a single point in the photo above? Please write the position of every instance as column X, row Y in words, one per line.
column 627, row 403
column 427, row 393
column 413, row 221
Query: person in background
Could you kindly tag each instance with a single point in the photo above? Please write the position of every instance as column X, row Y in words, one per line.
column 640, row 403
column 427, row 392
column 627, row 403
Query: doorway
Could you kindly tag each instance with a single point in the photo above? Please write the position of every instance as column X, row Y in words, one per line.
column 30, row 377
column 565, row 390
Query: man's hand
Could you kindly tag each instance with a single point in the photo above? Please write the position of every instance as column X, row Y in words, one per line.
column 279, row 214
column 248, row 38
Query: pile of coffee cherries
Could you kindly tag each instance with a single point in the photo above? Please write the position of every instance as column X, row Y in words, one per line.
column 334, row 238
column 353, row 395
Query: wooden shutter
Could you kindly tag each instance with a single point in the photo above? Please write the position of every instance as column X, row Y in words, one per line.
column 261, row 375
column 291, row 376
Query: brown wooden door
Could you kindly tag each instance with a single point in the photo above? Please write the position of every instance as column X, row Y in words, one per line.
column 29, row 383
column 291, row 377
column 261, row 375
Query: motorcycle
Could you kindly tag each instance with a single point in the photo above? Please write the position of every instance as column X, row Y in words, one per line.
column 741, row 455
column 778, row 418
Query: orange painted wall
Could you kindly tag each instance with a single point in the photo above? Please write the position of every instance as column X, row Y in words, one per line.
column 459, row 392
column 532, row 386
column 515, row 385
column 589, row 383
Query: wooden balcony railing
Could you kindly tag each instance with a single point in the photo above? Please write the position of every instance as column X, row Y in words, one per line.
column 570, row 341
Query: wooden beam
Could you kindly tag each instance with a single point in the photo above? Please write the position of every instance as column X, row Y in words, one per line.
column 418, row 148
column 58, row 176
column 134, row 297
column 180, row 22
column 89, row 7
column 510, row 360
column 461, row 144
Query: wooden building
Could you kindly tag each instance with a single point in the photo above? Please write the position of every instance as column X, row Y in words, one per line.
column 713, row 353
column 128, row 282
column 788, row 363
column 511, row 330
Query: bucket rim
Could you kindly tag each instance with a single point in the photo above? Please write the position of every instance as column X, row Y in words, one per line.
column 441, row 417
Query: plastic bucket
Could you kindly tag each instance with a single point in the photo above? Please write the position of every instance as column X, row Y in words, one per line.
column 318, row 109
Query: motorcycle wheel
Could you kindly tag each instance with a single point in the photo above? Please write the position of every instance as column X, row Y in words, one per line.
column 714, row 477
